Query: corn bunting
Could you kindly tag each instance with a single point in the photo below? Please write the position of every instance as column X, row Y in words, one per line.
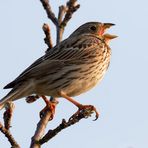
column 69, row 69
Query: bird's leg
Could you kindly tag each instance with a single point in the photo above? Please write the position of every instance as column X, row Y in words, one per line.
column 50, row 105
column 81, row 107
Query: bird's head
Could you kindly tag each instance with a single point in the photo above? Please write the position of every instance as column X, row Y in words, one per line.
column 94, row 28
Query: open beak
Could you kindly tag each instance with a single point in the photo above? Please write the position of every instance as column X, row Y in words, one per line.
column 104, row 27
column 108, row 37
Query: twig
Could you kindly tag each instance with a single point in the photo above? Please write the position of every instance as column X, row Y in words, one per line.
column 10, row 138
column 64, row 15
column 40, row 130
column 49, row 11
column 7, row 124
column 69, row 9
column 72, row 7
column 62, row 10
column 47, row 39
column 41, row 127
column 51, row 133
column 8, row 115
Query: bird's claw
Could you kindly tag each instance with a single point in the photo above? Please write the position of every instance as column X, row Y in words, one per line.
column 31, row 99
column 50, row 107
column 85, row 111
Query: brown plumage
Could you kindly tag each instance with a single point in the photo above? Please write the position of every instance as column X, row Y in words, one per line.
column 69, row 69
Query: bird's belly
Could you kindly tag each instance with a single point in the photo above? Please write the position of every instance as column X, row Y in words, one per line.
column 75, row 83
column 80, row 87
column 84, row 84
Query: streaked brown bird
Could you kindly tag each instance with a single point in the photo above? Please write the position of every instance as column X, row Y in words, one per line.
column 69, row 69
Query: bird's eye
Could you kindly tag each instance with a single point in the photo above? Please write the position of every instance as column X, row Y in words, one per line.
column 93, row 28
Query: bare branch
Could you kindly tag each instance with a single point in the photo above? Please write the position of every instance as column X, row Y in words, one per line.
column 75, row 119
column 59, row 34
column 62, row 10
column 41, row 127
column 10, row 138
column 72, row 7
column 8, row 115
column 49, row 11
column 47, row 39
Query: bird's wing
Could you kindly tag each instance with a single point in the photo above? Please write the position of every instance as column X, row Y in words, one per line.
column 56, row 58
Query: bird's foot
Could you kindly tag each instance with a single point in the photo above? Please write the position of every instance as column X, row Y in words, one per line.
column 50, row 107
column 86, row 111
column 31, row 99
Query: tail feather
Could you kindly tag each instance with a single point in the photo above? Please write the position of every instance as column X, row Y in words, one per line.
column 9, row 97
column 15, row 94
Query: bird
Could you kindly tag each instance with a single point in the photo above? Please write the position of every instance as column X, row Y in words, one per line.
column 70, row 68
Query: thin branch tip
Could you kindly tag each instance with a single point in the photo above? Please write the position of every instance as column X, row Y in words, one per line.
column 49, row 11
column 47, row 39
column 9, row 136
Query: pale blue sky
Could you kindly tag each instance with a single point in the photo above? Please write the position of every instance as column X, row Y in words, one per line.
column 121, row 98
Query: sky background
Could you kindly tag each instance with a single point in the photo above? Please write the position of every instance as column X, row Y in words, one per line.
column 122, row 96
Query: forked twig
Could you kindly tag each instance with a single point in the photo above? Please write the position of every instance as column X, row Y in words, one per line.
column 51, row 133
column 64, row 15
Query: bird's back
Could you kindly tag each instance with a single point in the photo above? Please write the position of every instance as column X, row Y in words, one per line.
column 74, row 68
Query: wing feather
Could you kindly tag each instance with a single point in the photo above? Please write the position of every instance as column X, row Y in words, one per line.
column 57, row 57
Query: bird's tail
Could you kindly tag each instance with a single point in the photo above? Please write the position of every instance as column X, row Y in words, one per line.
column 15, row 94
column 7, row 98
